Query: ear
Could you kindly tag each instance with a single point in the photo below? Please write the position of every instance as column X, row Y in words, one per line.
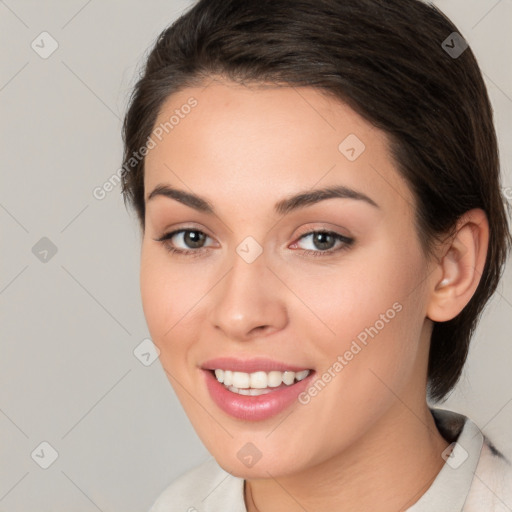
column 459, row 269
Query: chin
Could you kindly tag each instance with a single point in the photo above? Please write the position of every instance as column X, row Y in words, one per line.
column 260, row 469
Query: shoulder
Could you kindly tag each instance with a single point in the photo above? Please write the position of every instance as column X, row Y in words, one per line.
column 491, row 488
column 204, row 487
column 488, row 470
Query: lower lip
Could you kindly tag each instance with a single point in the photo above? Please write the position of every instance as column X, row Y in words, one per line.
column 254, row 408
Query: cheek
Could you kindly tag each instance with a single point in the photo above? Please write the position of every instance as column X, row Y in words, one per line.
column 373, row 353
column 354, row 293
column 369, row 308
column 154, row 288
column 172, row 296
column 164, row 297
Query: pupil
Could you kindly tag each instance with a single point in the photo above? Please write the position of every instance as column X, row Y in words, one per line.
column 193, row 239
column 320, row 238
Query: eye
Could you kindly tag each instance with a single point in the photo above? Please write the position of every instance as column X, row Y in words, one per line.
column 192, row 238
column 323, row 242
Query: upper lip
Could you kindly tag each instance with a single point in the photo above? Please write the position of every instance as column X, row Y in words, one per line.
column 250, row 365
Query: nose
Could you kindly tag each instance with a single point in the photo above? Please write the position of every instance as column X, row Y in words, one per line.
column 249, row 301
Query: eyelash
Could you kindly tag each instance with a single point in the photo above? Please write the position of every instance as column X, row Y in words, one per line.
column 347, row 242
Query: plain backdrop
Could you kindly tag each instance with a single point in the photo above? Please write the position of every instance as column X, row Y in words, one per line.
column 72, row 371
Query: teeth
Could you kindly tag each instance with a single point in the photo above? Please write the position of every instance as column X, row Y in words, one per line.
column 228, row 378
column 274, row 379
column 302, row 375
column 258, row 380
column 250, row 391
column 241, row 380
column 288, row 378
column 257, row 383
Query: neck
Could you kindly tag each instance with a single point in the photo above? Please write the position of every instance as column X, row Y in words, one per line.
column 386, row 470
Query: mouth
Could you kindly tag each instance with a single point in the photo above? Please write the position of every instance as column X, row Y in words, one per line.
column 254, row 390
column 259, row 382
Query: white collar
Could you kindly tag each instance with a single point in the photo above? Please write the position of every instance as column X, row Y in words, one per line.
column 449, row 490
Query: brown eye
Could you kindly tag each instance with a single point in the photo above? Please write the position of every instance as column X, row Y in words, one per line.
column 323, row 242
column 192, row 239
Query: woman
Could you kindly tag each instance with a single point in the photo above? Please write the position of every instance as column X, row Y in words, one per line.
column 318, row 190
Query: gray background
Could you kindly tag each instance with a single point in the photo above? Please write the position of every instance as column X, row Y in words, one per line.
column 70, row 324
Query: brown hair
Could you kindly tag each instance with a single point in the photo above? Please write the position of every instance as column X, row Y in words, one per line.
column 385, row 59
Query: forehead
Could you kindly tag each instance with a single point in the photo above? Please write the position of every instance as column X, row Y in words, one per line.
column 245, row 143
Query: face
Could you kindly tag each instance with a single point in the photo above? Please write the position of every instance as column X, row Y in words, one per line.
column 313, row 309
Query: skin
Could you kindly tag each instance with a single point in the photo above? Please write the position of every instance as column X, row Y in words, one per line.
column 367, row 441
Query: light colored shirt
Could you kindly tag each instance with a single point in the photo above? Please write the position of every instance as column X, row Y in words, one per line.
column 475, row 477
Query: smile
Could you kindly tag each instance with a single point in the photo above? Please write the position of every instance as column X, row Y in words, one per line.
column 255, row 389
column 259, row 382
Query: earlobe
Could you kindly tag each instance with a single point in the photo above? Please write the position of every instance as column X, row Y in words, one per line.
column 460, row 267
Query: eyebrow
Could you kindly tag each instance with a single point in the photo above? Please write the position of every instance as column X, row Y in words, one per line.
column 282, row 207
